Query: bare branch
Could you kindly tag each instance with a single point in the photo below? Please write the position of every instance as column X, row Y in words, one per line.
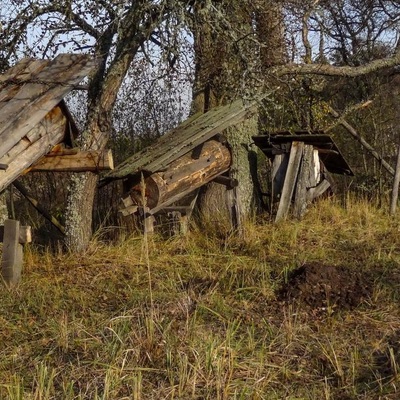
column 331, row 70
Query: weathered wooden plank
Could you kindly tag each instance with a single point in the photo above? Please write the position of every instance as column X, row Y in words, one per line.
column 54, row 120
column 129, row 210
column 296, row 153
column 11, row 260
column 75, row 161
column 15, row 70
column 11, row 85
column 183, row 139
column 279, row 168
column 35, row 99
column 25, row 234
column 24, row 154
column 303, row 182
column 318, row 190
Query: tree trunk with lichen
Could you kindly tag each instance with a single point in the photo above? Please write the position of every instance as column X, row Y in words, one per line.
column 103, row 91
column 3, row 207
column 115, row 50
column 221, row 75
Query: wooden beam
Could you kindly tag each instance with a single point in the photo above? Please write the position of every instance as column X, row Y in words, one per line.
column 317, row 191
column 292, row 171
column 227, row 181
column 72, row 160
column 25, row 234
column 353, row 132
column 11, row 260
column 21, row 188
column 303, row 182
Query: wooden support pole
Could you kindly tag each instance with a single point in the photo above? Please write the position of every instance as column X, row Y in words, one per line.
column 303, row 182
column 11, row 260
column 21, row 188
column 396, row 182
column 353, row 132
column 296, row 153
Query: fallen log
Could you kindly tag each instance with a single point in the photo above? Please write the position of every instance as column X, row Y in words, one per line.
column 182, row 176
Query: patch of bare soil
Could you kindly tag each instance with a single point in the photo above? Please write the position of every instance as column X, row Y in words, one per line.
column 321, row 286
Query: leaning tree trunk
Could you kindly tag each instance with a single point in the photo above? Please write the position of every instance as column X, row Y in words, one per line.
column 83, row 186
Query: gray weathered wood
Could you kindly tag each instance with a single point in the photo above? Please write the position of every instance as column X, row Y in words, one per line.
column 77, row 161
column 22, row 156
column 362, row 141
column 182, row 140
column 25, row 234
column 35, row 99
column 279, row 168
column 11, row 261
column 303, row 182
column 318, row 190
column 12, row 81
column 396, row 182
column 296, row 153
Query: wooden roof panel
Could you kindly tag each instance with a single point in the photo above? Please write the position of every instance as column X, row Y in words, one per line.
column 181, row 140
column 37, row 94
column 329, row 152
column 33, row 115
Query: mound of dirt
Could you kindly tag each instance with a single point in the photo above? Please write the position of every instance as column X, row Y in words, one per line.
column 321, row 286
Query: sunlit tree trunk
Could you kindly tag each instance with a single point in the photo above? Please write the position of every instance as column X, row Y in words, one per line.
column 229, row 64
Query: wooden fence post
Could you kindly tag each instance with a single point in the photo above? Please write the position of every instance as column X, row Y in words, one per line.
column 11, row 260
column 396, row 182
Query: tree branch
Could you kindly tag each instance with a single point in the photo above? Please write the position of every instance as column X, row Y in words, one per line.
column 331, row 70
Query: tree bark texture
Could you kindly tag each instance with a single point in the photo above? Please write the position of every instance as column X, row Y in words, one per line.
column 184, row 175
column 103, row 91
column 224, row 69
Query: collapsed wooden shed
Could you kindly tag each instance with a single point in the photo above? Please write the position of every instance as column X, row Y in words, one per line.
column 37, row 131
column 301, row 166
column 180, row 162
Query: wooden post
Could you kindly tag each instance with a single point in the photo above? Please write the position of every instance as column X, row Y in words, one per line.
column 11, row 261
column 396, row 182
column 303, row 182
column 296, row 153
column 148, row 221
column 279, row 168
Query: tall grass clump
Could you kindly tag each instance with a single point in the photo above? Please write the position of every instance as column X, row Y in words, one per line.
column 201, row 316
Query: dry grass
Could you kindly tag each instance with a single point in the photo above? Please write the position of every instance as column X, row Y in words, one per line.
column 208, row 324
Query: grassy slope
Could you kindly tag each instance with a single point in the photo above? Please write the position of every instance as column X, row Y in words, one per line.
column 89, row 327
